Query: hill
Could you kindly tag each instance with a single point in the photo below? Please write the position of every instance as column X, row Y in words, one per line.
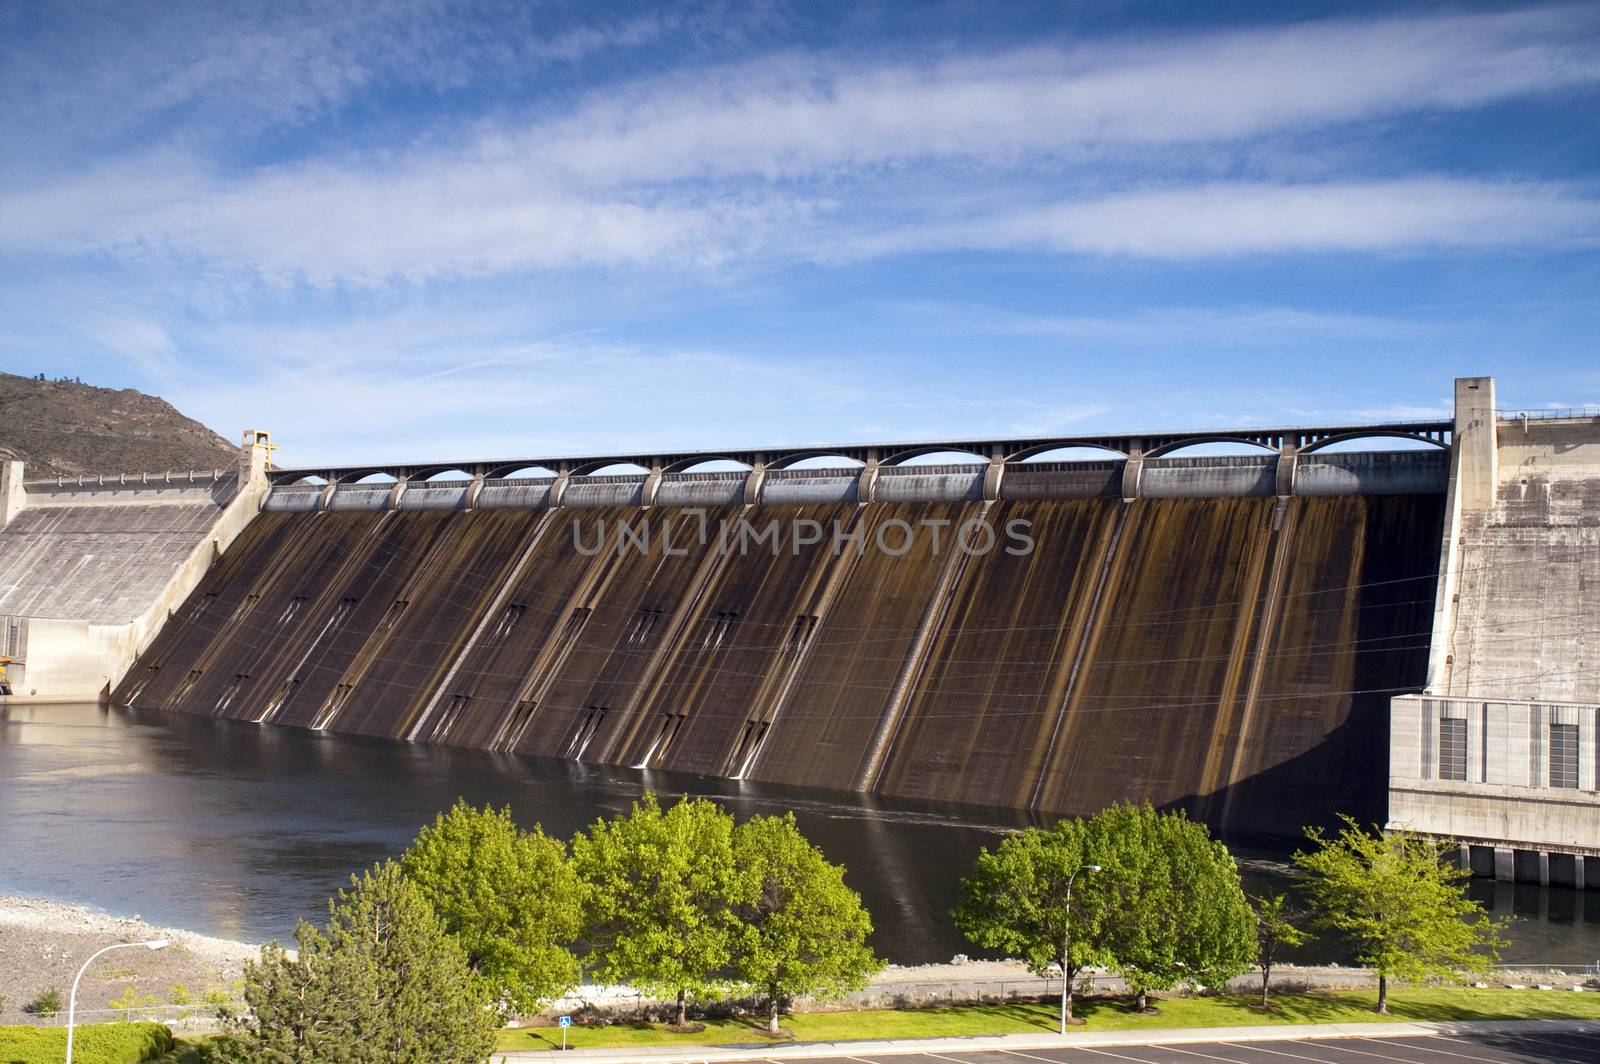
column 61, row 427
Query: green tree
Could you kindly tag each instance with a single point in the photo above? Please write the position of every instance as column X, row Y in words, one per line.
column 509, row 897
column 381, row 982
column 1174, row 909
column 1218, row 937
column 1141, row 912
column 660, row 890
column 1033, row 898
column 1277, row 927
column 1394, row 897
column 804, row 931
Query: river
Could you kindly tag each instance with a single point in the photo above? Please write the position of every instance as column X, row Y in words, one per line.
column 238, row 830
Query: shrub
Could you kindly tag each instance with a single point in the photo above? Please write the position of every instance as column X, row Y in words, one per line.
column 46, row 1002
column 100, row 1043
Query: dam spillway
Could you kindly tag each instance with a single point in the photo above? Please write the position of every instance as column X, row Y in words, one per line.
column 1211, row 642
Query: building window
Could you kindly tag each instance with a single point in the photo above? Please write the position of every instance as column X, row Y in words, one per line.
column 1564, row 755
column 1452, row 748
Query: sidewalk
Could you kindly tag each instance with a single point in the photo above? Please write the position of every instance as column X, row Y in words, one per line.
column 981, row 1043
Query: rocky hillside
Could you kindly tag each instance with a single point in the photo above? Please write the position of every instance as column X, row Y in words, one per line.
column 66, row 428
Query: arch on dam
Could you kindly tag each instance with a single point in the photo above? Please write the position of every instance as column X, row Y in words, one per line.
column 1046, row 452
column 519, row 471
column 942, row 451
column 719, row 463
column 1252, row 445
column 366, row 476
column 805, row 460
column 609, row 467
column 1439, row 440
column 438, row 473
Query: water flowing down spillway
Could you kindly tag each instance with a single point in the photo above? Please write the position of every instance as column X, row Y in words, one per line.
column 1231, row 656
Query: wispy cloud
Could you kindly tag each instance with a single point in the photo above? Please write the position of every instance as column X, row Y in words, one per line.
column 1237, row 218
column 785, row 159
column 801, row 114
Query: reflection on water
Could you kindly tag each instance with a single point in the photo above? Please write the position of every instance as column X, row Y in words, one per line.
column 237, row 830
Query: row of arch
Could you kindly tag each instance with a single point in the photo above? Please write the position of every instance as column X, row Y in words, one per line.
column 1423, row 437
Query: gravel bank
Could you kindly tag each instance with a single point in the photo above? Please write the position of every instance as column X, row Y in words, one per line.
column 43, row 943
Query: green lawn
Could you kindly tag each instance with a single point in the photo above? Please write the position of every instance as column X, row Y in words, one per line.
column 1102, row 1014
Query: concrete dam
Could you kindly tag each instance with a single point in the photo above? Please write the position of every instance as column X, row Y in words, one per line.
column 1263, row 639
column 1217, row 633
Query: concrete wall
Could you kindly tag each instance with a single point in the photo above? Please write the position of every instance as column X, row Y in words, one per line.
column 92, row 570
column 1514, row 644
column 1527, row 571
column 1507, row 799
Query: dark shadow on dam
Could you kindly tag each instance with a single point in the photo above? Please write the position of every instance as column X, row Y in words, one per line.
column 1230, row 656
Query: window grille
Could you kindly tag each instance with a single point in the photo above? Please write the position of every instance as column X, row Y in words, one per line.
column 1564, row 755
column 1452, row 748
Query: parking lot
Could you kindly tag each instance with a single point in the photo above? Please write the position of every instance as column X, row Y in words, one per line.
column 1520, row 1048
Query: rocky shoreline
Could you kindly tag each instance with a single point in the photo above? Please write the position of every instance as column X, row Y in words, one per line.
column 43, row 944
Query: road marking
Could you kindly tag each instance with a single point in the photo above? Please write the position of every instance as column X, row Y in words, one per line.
column 1278, row 1052
column 1197, row 1053
column 1343, row 1045
column 1442, row 1052
column 1119, row 1056
column 941, row 1056
column 1582, row 1047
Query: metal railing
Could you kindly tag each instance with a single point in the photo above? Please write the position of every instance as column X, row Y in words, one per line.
column 199, row 1016
column 1549, row 414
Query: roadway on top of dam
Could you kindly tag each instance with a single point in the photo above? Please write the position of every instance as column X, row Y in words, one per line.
column 1006, row 450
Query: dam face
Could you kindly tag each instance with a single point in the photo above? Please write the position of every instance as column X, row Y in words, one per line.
column 1232, row 655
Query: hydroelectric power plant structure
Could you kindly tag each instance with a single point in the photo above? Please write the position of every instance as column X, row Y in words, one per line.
column 1265, row 640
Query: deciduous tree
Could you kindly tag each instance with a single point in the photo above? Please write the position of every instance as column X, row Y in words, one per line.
column 509, row 897
column 803, row 930
column 1396, row 899
column 1175, row 911
column 1032, row 898
column 1277, row 927
column 660, row 890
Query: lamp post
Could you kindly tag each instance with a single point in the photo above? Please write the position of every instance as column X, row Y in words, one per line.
column 1066, row 948
column 72, row 1001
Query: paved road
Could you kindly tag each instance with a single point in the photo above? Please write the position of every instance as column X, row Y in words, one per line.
column 1476, row 1048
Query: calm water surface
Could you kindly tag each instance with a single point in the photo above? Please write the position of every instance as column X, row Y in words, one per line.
column 239, row 830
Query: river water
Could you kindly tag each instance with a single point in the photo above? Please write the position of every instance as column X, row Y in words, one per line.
column 239, row 830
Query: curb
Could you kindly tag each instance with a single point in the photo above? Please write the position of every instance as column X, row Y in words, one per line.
column 988, row 1043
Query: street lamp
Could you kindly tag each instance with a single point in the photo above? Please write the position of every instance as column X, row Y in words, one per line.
column 1066, row 946
column 72, row 1001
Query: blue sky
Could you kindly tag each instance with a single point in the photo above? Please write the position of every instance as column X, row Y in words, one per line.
column 420, row 230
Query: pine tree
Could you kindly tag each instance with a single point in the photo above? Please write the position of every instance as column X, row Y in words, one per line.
column 803, row 930
column 380, row 983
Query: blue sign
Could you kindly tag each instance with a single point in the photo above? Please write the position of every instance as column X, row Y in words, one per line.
column 566, row 1021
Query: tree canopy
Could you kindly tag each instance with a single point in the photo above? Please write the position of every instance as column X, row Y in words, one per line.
column 803, row 931
column 1394, row 897
column 1032, row 899
column 380, row 983
column 1149, row 894
column 509, row 897
column 1174, row 910
column 662, row 887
